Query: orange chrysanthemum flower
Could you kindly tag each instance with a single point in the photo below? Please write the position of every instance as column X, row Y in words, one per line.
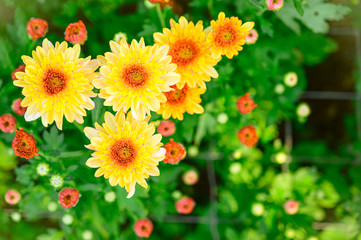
column 166, row 128
column 175, row 152
column 190, row 51
column 227, row 36
column 180, row 101
column 7, row 123
column 185, row 205
column 76, row 32
column 68, row 197
column 12, row 196
column 252, row 36
column 248, row 136
column 24, row 145
column 20, row 68
column 143, row 228
column 17, row 108
column 158, row 1
column 245, row 104
column 37, row 28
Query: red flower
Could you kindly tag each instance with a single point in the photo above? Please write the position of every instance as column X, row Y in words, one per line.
column 245, row 104
column 68, row 197
column 12, row 197
column 24, row 144
column 166, row 128
column 248, row 136
column 76, row 32
column 17, row 108
column 7, row 123
column 21, row 68
column 175, row 152
column 37, row 28
column 185, row 205
column 143, row 228
column 291, row 207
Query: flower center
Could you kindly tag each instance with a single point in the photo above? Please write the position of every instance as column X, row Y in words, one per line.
column 54, row 81
column 76, row 31
column 67, row 199
column 24, row 144
column 123, row 152
column 174, row 152
column 183, row 52
column 225, row 36
column 176, row 96
column 135, row 75
column 144, row 229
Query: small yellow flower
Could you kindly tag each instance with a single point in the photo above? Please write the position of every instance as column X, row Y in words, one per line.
column 227, row 35
column 190, row 51
column 180, row 101
column 126, row 151
column 135, row 77
column 57, row 83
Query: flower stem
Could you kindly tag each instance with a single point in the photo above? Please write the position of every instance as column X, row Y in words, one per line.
column 42, row 154
column 32, row 45
column 210, row 7
column 160, row 15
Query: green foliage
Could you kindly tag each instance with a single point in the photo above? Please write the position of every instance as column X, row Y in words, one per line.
column 324, row 193
column 315, row 15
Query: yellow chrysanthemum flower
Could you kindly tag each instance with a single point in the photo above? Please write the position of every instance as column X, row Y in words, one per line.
column 190, row 51
column 126, row 151
column 180, row 101
column 135, row 77
column 227, row 35
column 57, row 83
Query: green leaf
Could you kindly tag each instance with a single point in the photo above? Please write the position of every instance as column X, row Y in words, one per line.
column 206, row 123
column 315, row 17
column 346, row 230
column 90, row 187
column 226, row 198
column 148, row 30
column 266, row 27
column 298, row 6
column 7, row 156
column 5, row 60
column 53, row 140
column 226, row 70
column 133, row 205
column 52, row 234
column 17, row 31
column 24, row 174
column 98, row 110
